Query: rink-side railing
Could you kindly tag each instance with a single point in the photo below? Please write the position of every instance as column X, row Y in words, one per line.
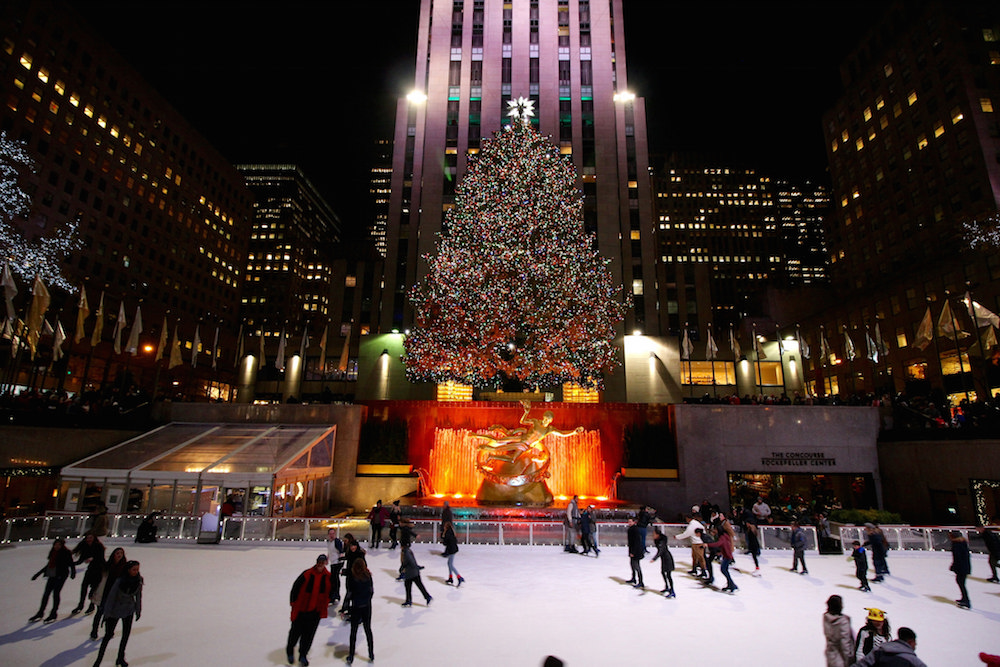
column 71, row 525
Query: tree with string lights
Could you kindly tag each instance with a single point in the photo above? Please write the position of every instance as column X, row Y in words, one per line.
column 43, row 256
column 516, row 289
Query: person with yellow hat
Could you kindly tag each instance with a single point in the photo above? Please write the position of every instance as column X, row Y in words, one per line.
column 875, row 632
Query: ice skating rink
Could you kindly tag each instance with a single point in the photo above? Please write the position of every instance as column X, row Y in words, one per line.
column 228, row 605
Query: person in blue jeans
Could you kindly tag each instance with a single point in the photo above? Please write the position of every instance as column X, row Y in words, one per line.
column 798, row 542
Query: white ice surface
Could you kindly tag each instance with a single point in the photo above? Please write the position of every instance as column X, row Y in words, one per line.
column 228, row 605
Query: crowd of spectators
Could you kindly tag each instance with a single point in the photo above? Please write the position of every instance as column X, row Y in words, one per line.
column 107, row 408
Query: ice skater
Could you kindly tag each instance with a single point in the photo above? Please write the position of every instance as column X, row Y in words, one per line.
column 961, row 565
column 571, row 524
column 335, row 558
column 666, row 561
column 587, row 531
column 697, row 544
column 89, row 551
column 876, row 631
column 394, row 514
column 724, row 543
column 635, row 546
column 410, row 571
column 59, row 566
column 362, row 592
column 450, row 549
column 839, row 637
column 124, row 603
column 377, row 518
column 753, row 546
column 860, row 559
column 880, row 547
column 901, row 651
column 798, row 542
column 113, row 568
column 309, row 598
column 992, row 543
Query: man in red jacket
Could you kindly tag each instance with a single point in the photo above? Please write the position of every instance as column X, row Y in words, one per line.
column 309, row 599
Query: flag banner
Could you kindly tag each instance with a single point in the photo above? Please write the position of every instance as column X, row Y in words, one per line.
column 947, row 327
column 758, row 345
column 346, row 350
column 989, row 341
column 195, row 346
column 686, row 347
column 82, row 312
column 711, row 349
column 880, row 344
column 132, row 346
column 263, row 359
column 239, row 347
column 734, row 345
column 304, row 346
column 95, row 335
column 162, row 345
column 850, row 352
column 322, row 350
column 9, row 291
column 119, row 328
column 215, row 349
column 803, row 345
column 175, row 350
column 60, row 338
column 870, row 347
column 925, row 332
column 279, row 360
column 40, row 300
column 981, row 316
column 824, row 347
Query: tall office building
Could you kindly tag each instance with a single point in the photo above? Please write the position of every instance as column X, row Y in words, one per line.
column 381, row 186
column 568, row 57
column 913, row 146
column 164, row 219
column 801, row 210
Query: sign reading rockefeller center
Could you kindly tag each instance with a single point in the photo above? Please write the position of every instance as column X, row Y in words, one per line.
column 798, row 459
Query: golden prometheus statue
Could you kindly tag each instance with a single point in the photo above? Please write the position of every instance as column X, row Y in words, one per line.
column 515, row 464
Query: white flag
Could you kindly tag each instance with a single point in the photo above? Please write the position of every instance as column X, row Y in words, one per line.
column 279, row 360
column 980, row 315
column 60, row 338
column 82, row 311
column 119, row 328
column 849, row 346
column 95, row 335
column 175, row 349
column 132, row 347
column 925, row 332
column 215, row 348
column 304, row 345
column 9, row 292
column 870, row 347
column 758, row 346
column 322, row 351
column 803, row 345
column 263, row 359
column 239, row 347
column 345, row 351
column 734, row 345
column 824, row 347
column 711, row 349
column 947, row 326
column 195, row 344
column 163, row 340
column 686, row 347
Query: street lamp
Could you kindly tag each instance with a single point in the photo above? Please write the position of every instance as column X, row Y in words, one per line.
column 417, row 97
column 624, row 96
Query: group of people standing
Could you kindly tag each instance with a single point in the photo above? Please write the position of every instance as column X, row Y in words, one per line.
column 113, row 586
column 873, row 645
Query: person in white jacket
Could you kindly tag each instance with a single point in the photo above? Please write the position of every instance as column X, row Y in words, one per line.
column 697, row 544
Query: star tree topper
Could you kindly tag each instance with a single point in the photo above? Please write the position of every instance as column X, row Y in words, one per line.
column 522, row 108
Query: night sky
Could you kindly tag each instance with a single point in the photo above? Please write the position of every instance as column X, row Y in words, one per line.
column 315, row 83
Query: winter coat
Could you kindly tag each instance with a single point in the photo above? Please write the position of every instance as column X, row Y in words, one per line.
column 310, row 592
column 586, row 522
column 798, row 539
column 124, row 598
column 59, row 566
column 895, row 653
column 450, row 542
column 723, row 544
column 409, row 568
column 379, row 515
column 635, row 545
column 992, row 542
column 109, row 575
column 868, row 640
column 99, row 525
column 878, row 544
column 94, row 553
column 839, row 644
column 960, row 562
column 663, row 554
column 860, row 560
column 361, row 591
column 689, row 532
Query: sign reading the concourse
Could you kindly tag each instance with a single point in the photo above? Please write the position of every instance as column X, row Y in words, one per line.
column 796, row 459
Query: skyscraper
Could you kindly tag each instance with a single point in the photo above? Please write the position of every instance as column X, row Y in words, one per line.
column 568, row 57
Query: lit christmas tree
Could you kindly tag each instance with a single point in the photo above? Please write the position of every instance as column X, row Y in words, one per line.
column 516, row 289
column 29, row 258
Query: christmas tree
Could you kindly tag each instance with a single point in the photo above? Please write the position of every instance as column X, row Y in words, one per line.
column 516, row 289
column 41, row 257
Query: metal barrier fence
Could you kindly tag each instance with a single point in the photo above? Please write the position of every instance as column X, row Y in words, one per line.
column 527, row 533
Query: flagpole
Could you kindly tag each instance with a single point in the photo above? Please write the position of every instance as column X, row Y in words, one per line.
column 781, row 360
column 958, row 350
column 979, row 338
column 715, row 393
column 756, row 354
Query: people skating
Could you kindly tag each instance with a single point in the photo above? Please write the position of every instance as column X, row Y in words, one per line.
column 124, row 603
column 446, row 513
column 666, row 561
column 394, row 514
column 407, row 535
column 798, row 542
column 450, row 549
column 57, row 568
column 992, row 543
column 309, row 599
column 410, row 571
column 587, row 524
column 571, row 524
column 697, row 544
column 724, row 543
column 146, row 532
column 89, row 551
column 875, row 539
column 353, row 551
column 839, row 636
column 875, row 632
column 635, row 553
column 377, row 517
column 334, row 553
column 645, row 517
column 900, row 651
column 362, row 592
column 860, row 558
column 961, row 565
column 115, row 566
column 753, row 546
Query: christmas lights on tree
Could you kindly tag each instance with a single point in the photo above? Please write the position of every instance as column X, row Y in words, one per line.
column 983, row 233
column 29, row 258
column 516, row 289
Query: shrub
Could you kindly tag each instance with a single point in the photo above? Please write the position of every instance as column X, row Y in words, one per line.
column 860, row 517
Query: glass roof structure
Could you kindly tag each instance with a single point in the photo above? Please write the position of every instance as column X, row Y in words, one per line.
column 231, row 454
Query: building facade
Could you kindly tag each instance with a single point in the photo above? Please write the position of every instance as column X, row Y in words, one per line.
column 568, row 57
column 163, row 218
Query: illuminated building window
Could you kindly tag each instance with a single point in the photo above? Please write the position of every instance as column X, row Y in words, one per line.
column 939, row 129
column 911, row 99
column 25, row 61
column 986, row 104
column 956, row 116
column 637, row 287
column 922, row 142
column 867, row 113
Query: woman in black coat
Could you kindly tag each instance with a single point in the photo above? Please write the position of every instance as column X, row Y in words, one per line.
column 89, row 551
column 123, row 603
column 961, row 565
column 113, row 568
column 57, row 568
column 361, row 590
column 666, row 562
column 450, row 549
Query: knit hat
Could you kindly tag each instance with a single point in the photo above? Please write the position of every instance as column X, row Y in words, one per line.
column 875, row 614
column 322, row 558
